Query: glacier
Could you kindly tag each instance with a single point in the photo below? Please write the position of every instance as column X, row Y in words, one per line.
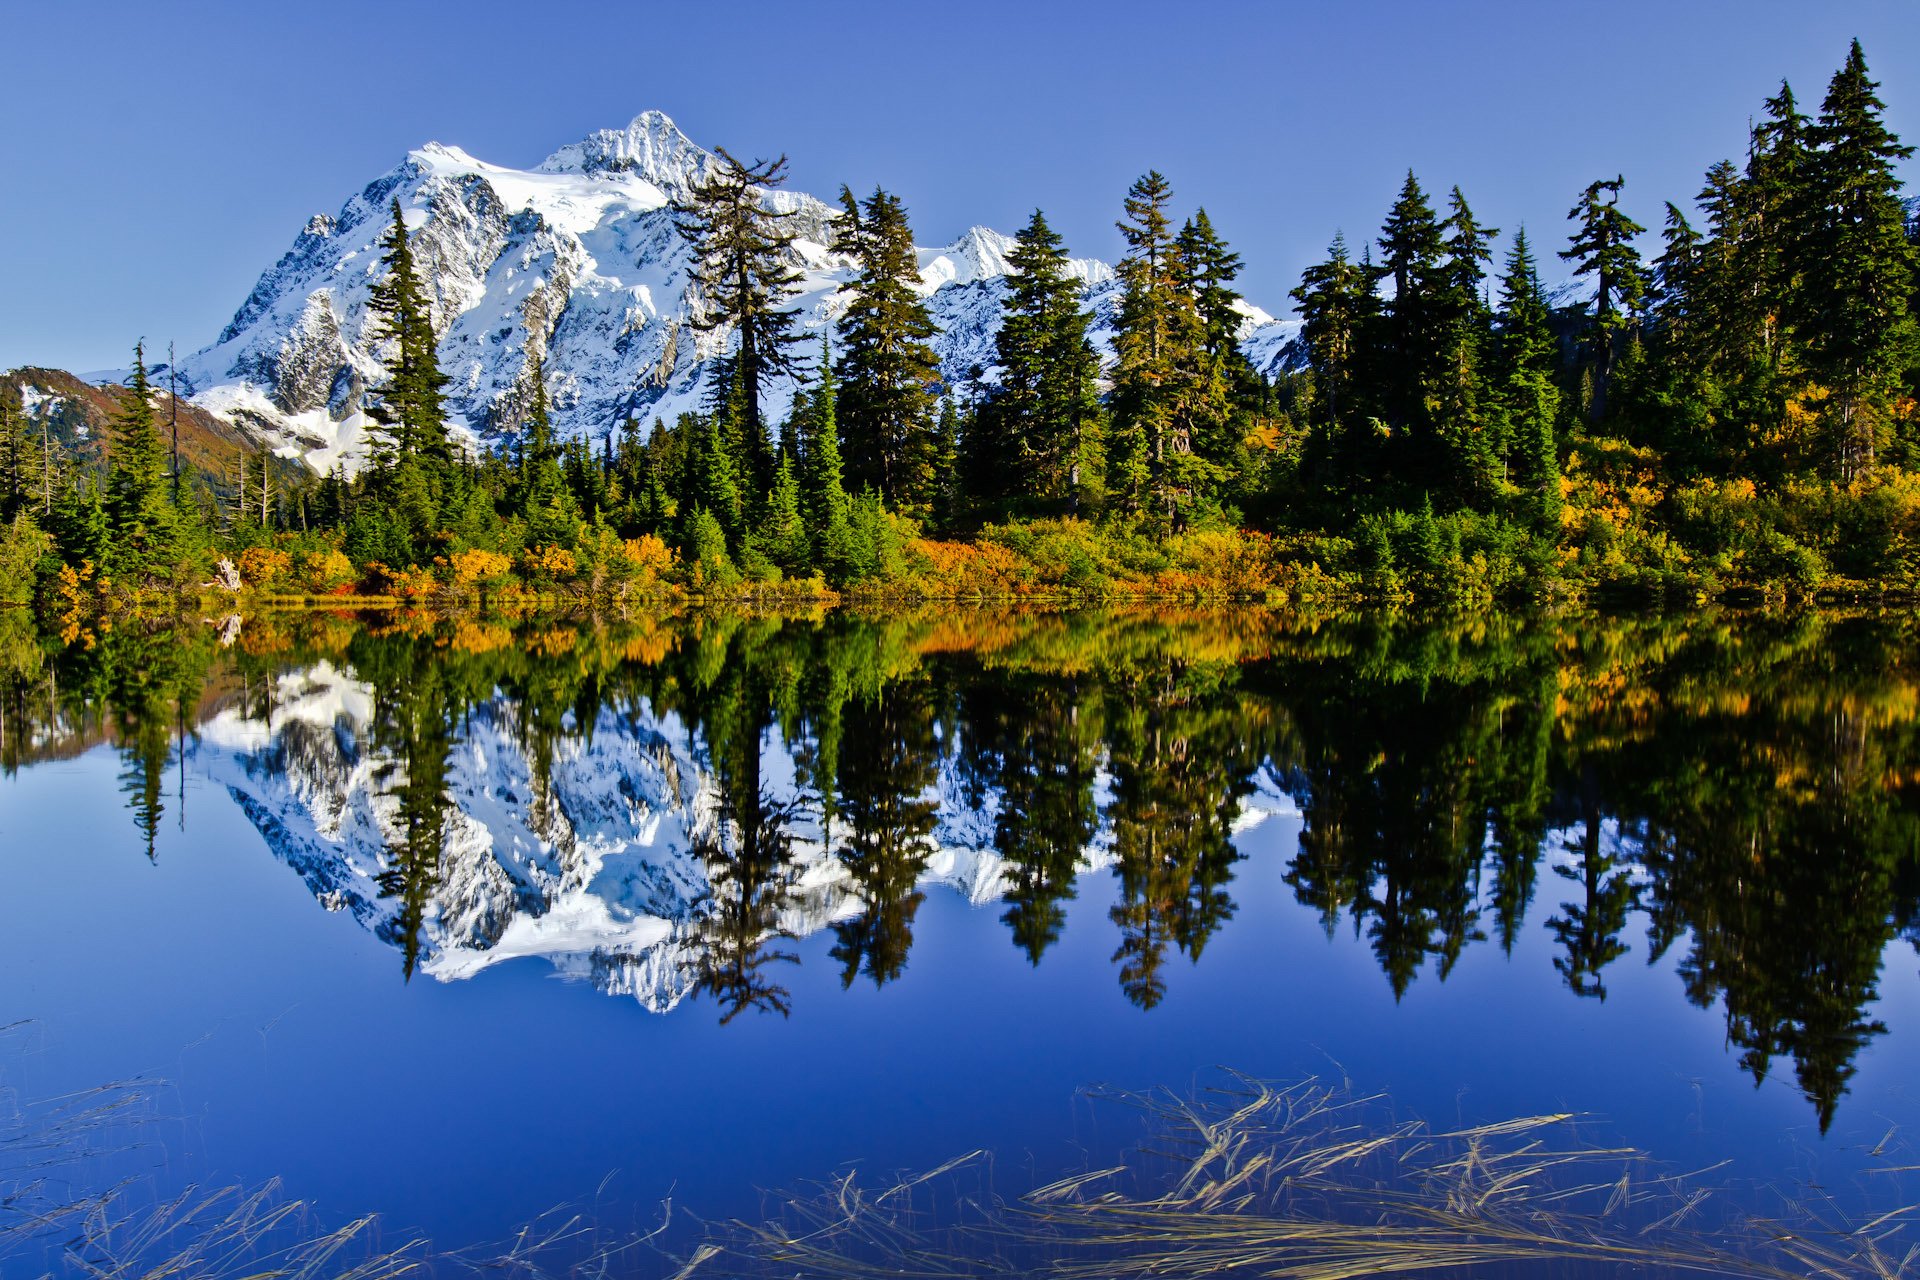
column 577, row 260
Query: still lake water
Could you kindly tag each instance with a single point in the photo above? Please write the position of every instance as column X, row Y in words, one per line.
column 459, row 921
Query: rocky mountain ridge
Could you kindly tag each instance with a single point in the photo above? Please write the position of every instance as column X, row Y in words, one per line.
column 576, row 259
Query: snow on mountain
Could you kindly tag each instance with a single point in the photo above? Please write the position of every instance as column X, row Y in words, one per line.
column 577, row 259
column 591, row 869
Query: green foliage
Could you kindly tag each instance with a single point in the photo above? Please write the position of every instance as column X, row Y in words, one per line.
column 889, row 374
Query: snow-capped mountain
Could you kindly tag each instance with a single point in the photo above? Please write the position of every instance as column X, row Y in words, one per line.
column 577, row 259
column 594, row 871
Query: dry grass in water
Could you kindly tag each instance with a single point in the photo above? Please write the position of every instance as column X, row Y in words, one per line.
column 1306, row 1182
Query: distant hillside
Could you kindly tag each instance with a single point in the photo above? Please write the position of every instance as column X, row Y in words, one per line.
column 76, row 418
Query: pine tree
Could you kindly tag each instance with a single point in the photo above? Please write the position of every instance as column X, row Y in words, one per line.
column 1526, row 398
column 1853, row 305
column 1036, row 437
column 823, row 486
column 1603, row 248
column 1152, row 469
column 15, row 483
column 743, row 276
column 1337, row 311
column 1473, row 438
column 1413, row 354
column 889, row 374
column 542, row 495
column 145, row 526
column 1773, row 200
column 782, row 534
column 711, row 486
column 409, row 408
column 1208, row 270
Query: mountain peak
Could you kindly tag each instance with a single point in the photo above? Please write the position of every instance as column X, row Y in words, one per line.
column 651, row 147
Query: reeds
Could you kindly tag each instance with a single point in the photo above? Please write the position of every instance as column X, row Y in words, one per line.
column 1298, row 1182
column 1305, row 1182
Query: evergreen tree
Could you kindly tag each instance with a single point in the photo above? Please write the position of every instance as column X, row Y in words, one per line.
column 1527, row 399
column 823, row 487
column 1853, row 304
column 1036, row 437
column 145, row 527
column 1474, row 439
column 1603, row 248
column 711, row 486
column 743, row 275
column 15, row 483
column 1412, row 357
column 1158, row 388
column 542, row 496
column 408, row 408
column 1208, row 270
column 889, row 374
column 783, row 532
column 1337, row 311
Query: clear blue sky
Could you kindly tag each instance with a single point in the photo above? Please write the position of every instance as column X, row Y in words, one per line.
column 155, row 158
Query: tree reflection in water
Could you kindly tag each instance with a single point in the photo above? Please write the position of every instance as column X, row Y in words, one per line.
column 1742, row 788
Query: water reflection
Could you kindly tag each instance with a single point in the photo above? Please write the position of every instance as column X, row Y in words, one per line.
column 666, row 808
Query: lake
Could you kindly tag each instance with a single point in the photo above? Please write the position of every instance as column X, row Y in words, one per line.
column 457, row 921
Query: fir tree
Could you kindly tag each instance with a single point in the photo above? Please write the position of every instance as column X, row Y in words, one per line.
column 1159, row 382
column 823, row 486
column 1526, row 398
column 1413, row 354
column 1337, row 308
column 743, row 275
column 1602, row 247
column 889, row 374
column 542, row 495
column 1853, row 304
column 409, row 408
column 145, row 526
column 1473, row 438
column 1036, row 436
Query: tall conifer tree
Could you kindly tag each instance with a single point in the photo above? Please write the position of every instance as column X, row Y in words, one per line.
column 889, row 373
column 1853, row 303
column 1602, row 247
column 744, row 277
column 1036, row 436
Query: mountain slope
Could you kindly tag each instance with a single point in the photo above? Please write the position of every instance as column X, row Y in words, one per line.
column 73, row 420
column 577, row 259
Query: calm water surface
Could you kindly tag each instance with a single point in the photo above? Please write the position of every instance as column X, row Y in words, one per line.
column 457, row 922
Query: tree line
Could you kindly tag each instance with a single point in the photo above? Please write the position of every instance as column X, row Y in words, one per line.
column 1740, row 408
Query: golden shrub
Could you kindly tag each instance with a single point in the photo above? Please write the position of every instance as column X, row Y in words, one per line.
column 477, row 566
column 549, row 562
column 323, row 571
column 264, row 566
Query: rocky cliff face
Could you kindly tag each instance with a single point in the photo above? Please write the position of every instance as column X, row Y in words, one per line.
column 576, row 259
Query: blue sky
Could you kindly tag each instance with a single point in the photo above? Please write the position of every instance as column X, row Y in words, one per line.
column 157, row 158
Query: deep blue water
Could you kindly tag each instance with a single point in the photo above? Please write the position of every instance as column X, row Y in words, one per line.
column 284, row 1040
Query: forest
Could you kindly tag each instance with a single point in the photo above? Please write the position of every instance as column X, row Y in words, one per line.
column 1732, row 416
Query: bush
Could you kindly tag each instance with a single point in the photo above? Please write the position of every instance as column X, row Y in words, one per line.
column 265, row 567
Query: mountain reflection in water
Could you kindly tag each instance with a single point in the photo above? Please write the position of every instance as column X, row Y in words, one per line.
column 665, row 807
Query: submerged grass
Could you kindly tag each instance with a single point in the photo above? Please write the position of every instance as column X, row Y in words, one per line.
column 1303, row 1181
column 1308, row 1182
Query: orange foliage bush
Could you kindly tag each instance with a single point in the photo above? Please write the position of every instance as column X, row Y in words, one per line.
column 264, row 566
column 324, row 571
